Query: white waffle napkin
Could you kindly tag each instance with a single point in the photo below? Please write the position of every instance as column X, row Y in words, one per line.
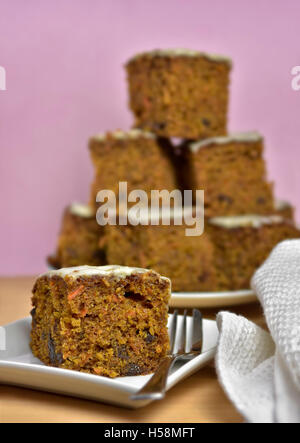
column 260, row 372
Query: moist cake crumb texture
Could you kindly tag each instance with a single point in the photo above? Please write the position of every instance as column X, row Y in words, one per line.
column 109, row 321
column 231, row 171
column 223, row 258
column 179, row 93
column 242, row 244
column 188, row 261
column 135, row 157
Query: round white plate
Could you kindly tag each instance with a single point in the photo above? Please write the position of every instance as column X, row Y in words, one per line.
column 211, row 299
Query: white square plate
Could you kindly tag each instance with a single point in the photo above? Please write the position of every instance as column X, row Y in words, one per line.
column 19, row 367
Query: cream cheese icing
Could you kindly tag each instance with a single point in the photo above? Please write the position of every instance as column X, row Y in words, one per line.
column 242, row 221
column 121, row 135
column 282, row 204
column 81, row 210
column 239, row 137
column 86, row 271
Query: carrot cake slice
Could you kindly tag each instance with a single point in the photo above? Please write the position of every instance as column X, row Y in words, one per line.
column 242, row 243
column 135, row 157
column 78, row 242
column 231, row 171
column 107, row 320
column 179, row 92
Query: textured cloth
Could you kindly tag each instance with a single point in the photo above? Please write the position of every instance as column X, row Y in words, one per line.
column 260, row 372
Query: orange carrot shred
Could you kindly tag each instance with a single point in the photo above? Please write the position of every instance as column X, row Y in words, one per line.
column 74, row 294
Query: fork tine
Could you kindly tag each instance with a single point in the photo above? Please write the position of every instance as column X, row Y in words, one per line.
column 197, row 341
column 155, row 389
column 182, row 346
column 173, row 331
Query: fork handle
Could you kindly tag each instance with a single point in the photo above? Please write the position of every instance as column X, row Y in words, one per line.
column 155, row 389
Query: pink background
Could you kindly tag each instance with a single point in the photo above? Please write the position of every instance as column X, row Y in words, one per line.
column 65, row 82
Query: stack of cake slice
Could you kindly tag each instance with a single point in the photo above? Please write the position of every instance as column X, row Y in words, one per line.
column 179, row 99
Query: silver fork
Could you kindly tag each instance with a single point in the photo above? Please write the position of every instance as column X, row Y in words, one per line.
column 155, row 389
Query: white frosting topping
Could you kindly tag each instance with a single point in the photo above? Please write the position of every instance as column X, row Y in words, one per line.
column 239, row 137
column 242, row 221
column 109, row 270
column 121, row 135
column 178, row 52
column 81, row 210
column 282, row 204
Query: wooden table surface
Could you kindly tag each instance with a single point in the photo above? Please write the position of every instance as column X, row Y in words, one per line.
column 198, row 399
